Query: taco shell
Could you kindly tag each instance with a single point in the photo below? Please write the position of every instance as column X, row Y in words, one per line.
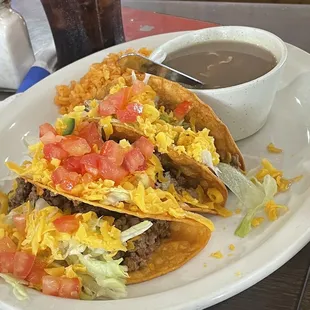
column 187, row 239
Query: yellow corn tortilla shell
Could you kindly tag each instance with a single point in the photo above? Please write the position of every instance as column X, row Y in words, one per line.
column 186, row 241
column 187, row 165
column 188, row 238
column 171, row 94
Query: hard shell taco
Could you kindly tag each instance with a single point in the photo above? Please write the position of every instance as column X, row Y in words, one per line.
column 89, row 216
column 176, row 122
column 171, row 116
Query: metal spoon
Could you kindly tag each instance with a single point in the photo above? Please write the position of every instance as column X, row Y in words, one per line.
column 145, row 65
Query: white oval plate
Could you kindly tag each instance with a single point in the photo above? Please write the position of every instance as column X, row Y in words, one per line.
column 203, row 281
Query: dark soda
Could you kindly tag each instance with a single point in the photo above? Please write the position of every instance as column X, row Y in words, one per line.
column 83, row 27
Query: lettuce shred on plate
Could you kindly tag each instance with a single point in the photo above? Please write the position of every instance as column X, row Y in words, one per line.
column 256, row 192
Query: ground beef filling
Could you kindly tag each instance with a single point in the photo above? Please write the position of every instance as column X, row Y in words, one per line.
column 144, row 245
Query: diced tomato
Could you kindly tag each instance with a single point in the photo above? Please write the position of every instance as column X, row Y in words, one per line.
column 70, row 288
column 36, row 274
column 130, row 114
column 7, row 262
column 67, row 224
column 49, row 137
column 137, row 87
column 20, row 223
column 7, row 245
column 145, row 146
column 143, row 167
column 45, row 128
column 65, row 178
column 51, row 285
column 133, row 160
column 121, row 98
column 53, row 150
column 73, row 164
column 91, row 134
column 35, row 277
column 115, row 102
column 113, row 151
column 182, row 109
column 106, row 108
column 90, row 164
column 87, row 178
column 23, row 263
column 75, row 146
column 61, row 286
column 110, row 171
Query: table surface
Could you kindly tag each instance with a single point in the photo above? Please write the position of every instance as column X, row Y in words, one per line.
column 287, row 288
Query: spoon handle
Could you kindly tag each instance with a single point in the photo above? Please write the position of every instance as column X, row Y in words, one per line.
column 145, row 65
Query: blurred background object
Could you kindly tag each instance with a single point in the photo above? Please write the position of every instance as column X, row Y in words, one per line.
column 16, row 55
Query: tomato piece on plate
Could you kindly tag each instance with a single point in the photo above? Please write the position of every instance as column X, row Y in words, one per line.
column 19, row 221
column 91, row 134
column 51, row 285
column 7, row 262
column 73, row 164
column 53, row 150
column 7, row 245
column 45, row 128
column 70, row 288
column 113, row 151
column 137, row 87
column 133, row 160
column 67, row 224
column 75, row 146
column 23, row 263
column 130, row 114
column 145, row 146
column 65, row 178
column 90, row 164
column 109, row 171
column 182, row 109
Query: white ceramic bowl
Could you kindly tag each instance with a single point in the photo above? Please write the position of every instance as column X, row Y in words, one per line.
column 243, row 108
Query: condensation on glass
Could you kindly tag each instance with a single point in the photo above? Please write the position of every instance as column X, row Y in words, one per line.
column 82, row 27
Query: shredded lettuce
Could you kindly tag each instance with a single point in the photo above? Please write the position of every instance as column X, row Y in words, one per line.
column 71, row 247
column 108, row 277
column 17, row 285
column 116, row 195
column 41, row 204
column 207, row 160
column 30, row 140
column 135, row 230
column 269, row 189
column 252, row 195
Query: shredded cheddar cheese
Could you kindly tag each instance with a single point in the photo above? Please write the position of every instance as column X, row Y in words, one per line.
column 217, row 255
column 257, row 221
column 232, row 247
column 133, row 193
column 272, row 149
column 272, row 210
column 268, row 168
column 160, row 126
